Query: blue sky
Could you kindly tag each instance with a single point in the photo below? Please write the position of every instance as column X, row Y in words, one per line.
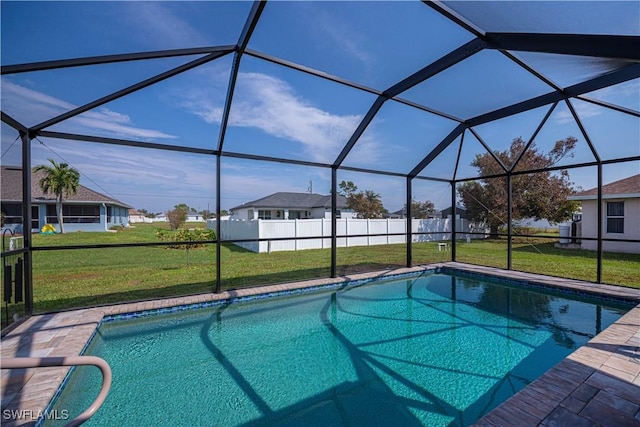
column 281, row 112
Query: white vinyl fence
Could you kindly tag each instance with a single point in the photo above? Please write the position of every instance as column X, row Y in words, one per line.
column 366, row 229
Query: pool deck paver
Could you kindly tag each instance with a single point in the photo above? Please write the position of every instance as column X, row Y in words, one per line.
column 597, row 385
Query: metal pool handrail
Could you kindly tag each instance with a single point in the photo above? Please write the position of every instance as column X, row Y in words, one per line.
column 41, row 362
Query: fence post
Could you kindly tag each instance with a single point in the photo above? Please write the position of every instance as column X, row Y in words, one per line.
column 295, row 234
column 346, row 232
column 388, row 231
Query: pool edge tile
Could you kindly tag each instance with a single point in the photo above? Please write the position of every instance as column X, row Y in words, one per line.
column 80, row 335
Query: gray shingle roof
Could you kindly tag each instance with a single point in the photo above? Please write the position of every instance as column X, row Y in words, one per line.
column 11, row 190
column 294, row 201
column 629, row 187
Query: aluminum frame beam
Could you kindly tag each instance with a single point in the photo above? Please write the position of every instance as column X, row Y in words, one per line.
column 438, row 149
column 13, row 122
column 609, row 105
column 452, row 58
column 368, row 118
column 109, row 59
column 243, row 40
column 623, row 48
column 345, row 82
column 439, row 65
column 450, row 14
column 250, row 25
column 124, row 142
column 610, row 79
column 126, row 91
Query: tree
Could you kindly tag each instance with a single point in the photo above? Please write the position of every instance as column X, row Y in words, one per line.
column 59, row 179
column 421, row 210
column 540, row 195
column 177, row 216
column 186, row 208
column 366, row 204
column 147, row 214
column 347, row 188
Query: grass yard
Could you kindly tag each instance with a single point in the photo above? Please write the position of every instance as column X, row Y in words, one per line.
column 86, row 277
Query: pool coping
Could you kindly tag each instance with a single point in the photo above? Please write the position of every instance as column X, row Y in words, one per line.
column 582, row 387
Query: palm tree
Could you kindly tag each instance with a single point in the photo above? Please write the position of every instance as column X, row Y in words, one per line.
column 58, row 179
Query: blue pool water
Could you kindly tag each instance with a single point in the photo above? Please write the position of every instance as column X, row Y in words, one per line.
column 435, row 350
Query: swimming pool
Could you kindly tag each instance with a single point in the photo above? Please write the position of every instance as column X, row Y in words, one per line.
column 432, row 350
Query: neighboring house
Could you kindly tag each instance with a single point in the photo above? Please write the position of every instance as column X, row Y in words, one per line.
column 87, row 210
column 395, row 215
column 195, row 217
column 291, row 206
column 401, row 213
column 461, row 212
column 137, row 217
column 620, row 215
column 160, row 218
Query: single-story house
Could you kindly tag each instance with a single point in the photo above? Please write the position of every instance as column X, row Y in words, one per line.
column 620, row 215
column 461, row 212
column 285, row 205
column 195, row 217
column 87, row 210
column 402, row 213
column 136, row 216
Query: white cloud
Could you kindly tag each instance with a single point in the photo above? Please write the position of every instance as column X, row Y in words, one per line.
column 615, row 94
column 151, row 179
column 35, row 107
column 583, row 110
column 113, row 124
column 342, row 34
column 155, row 25
column 273, row 106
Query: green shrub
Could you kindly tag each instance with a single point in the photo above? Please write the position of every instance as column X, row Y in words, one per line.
column 186, row 235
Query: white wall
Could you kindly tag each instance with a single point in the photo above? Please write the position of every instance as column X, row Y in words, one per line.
column 139, row 219
column 631, row 226
column 238, row 230
column 265, row 229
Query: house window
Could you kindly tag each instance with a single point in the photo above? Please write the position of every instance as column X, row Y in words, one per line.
column 264, row 214
column 35, row 217
column 615, row 217
column 295, row 214
column 78, row 214
column 12, row 214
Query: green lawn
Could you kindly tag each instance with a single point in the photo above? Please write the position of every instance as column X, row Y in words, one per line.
column 86, row 277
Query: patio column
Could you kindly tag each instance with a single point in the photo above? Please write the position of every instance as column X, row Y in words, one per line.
column 409, row 231
column 334, row 221
column 26, row 223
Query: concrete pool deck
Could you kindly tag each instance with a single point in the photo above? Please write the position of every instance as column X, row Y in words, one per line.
column 598, row 384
